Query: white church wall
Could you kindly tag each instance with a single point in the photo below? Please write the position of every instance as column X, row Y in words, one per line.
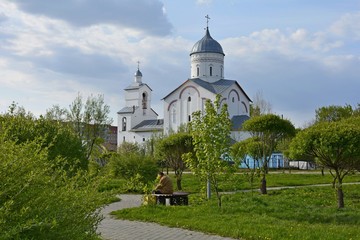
column 201, row 64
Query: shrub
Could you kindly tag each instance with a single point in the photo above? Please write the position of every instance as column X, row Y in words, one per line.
column 136, row 168
column 38, row 202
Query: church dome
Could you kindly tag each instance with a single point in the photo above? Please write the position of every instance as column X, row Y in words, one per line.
column 207, row 44
column 138, row 73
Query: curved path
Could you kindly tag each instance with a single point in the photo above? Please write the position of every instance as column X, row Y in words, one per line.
column 115, row 229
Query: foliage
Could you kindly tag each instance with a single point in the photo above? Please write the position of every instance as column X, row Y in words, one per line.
column 334, row 145
column 333, row 113
column 240, row 150
column 171, row 149
column 305, row 213
column 58, row 138
column 89, row 120
column 37, row 202
column 210, row 133
column 267, row 131
column 137, row 169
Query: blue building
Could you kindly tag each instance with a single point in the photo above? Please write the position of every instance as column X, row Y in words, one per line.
column 276, row 161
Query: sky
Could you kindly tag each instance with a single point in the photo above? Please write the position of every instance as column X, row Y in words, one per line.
column 299, row 55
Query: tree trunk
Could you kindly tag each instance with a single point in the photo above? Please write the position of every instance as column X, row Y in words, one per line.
column 263, row 186
column 340, row 196
column 178, row 183
column 340, row 193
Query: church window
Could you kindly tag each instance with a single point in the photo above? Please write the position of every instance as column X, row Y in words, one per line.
column 211, row 71
column 144, row 100
column 143, row 139
column 189, row 118
column 123, row 138
column 222, row 71
column 189, row 99
column 197, row 71
column 124, row 124
column 233, row 99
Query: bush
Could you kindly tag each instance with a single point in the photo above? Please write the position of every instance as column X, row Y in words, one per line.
column 138, row 169
column 38, row 202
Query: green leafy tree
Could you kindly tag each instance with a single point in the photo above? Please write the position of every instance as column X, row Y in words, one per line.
column 268, row 130
column 210, row 132
column 90, row 121
column 334, row 145
column 38, row 202
column 58, row 138
column 171, row 149
column 248, row 147
column 333, row 113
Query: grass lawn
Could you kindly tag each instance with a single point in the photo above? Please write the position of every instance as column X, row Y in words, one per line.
column 303, row 213
column 240, row 182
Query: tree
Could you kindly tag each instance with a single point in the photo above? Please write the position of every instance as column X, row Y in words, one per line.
column 259, row 106
column 58, row 138
column 268, row 130
column 334, row 145
column 210, row 132
column 40, row 202
column 90, row 121
column 251, row 147
column 333, row 113
column 171, row 149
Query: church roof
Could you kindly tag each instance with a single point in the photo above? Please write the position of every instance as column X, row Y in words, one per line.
column 138, row 73
column 149, row 125
column 237, row 121
column 207, row 44
column 216, row 87
column 127, row 110
column 137, row 86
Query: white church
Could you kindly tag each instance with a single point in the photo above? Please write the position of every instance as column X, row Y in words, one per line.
column 137, row 121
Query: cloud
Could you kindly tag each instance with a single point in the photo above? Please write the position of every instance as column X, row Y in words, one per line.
column 347, row 26
column 3, row 17
column 145, row 15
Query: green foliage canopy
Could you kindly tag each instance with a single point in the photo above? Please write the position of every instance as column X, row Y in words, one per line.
column 210, row 132
column 334, row 145
column 171, row 149
column 267, row 131
column 37, row 202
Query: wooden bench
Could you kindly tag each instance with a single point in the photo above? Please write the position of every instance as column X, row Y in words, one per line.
column 176, row 198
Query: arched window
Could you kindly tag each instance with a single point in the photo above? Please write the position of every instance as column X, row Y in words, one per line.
column 124, row 124
column 189, row 118
column 222, row 71
column 233, row 99
column 189, row 99
column 211, row 71
column 144, row 100
column 197, row 70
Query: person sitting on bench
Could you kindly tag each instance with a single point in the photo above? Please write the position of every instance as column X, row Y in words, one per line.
column 165, row 185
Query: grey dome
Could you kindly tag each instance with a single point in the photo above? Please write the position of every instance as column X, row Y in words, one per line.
column 138, row 73
column 207, row 44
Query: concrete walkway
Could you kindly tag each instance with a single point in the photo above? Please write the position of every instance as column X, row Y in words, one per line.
column 115, row 229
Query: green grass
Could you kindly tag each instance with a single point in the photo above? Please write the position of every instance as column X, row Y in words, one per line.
column 240, row 182
column 303, row 213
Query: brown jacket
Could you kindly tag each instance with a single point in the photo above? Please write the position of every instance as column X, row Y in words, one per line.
column 165, row 185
